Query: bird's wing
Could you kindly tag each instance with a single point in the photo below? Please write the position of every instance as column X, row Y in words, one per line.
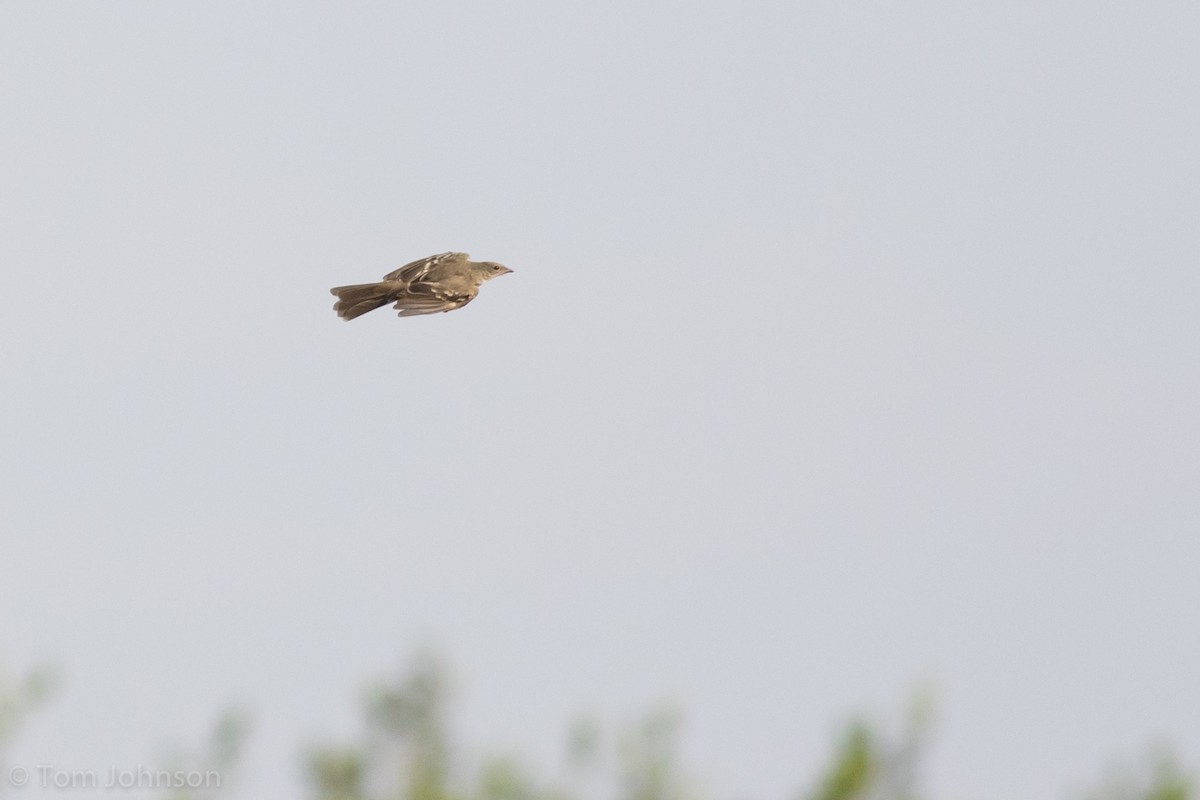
column 416, row 270
column 430, row 298
column 436, row 308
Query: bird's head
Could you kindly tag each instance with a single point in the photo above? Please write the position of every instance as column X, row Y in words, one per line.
column 490, row 269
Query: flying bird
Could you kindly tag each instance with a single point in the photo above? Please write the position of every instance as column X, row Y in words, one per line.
column 438, row 283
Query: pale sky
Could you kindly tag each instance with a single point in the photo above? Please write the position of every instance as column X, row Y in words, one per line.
column 851, row 347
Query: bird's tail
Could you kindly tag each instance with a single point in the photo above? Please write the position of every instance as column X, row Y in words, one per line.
column 354, row 301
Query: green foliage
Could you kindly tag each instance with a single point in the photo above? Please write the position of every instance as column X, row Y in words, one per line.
column 506, row 779
column 868, row 764
column 406, row 751
column 337, row 774
column 583, row 743
column 21, row 697
column 216, row 761
column 409, row 718
column 646, row 759
column 407, row 754
column 415, row 705
column 854, row 769
column 1161, row 779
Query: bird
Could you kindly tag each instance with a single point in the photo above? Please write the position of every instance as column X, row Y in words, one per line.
column 426, row 286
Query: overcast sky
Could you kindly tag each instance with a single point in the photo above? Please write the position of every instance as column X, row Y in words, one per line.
column 851, row 347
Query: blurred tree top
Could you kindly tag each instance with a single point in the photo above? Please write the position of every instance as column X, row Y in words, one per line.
column 406, row 753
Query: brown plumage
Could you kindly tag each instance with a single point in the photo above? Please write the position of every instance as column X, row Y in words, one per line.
column 438, row 283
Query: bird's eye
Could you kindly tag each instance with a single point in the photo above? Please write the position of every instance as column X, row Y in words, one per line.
column 495, row 267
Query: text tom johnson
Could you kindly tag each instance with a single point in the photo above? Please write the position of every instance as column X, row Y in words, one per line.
column 116, row 778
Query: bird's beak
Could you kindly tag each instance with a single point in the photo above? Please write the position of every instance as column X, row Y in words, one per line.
column 506, row 271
